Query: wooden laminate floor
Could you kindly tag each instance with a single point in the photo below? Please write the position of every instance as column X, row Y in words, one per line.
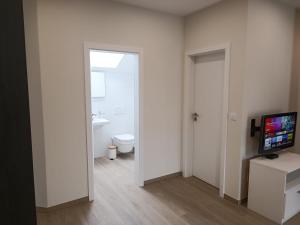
column 175, row 201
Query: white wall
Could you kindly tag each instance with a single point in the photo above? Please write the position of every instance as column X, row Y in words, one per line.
column 295, row 86
column 36, row 113
column 118, row 104
column 63, row 27
column 267, row 81
column 219, row 24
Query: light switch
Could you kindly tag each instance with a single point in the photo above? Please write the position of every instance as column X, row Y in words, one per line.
column 233, row 116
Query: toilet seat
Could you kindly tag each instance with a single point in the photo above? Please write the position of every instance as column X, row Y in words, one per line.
column 124, row 138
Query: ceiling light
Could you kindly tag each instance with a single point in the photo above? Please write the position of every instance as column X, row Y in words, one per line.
column 105, row 59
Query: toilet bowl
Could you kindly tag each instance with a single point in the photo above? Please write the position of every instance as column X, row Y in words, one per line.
column 124, row 142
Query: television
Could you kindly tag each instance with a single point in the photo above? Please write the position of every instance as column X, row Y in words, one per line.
column 277, row 132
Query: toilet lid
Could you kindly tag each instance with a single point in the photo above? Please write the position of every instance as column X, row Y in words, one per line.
column 124, row 138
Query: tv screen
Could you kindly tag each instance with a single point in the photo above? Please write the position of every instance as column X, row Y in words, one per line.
column 277, row 132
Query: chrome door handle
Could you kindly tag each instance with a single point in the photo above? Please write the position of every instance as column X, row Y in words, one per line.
column 195, row 116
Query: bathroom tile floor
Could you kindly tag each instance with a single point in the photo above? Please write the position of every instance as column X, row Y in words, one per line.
column 174, row 201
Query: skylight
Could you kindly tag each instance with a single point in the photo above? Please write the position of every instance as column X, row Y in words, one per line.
column 105, row 59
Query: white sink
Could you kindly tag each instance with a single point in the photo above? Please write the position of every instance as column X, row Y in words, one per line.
column 99, row 122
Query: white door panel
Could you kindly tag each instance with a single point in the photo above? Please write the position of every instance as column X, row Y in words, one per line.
column 209, row 82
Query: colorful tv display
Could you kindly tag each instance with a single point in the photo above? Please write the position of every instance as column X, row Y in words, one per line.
column 277, row 132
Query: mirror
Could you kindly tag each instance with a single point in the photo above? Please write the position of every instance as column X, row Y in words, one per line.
column 97, row 84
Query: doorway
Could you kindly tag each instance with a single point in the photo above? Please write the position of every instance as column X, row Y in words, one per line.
column 113, row 81
column 205, row 112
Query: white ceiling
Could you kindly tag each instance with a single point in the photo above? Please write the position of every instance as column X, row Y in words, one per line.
column 295, row 3
column 177, row 7
column 183, row 7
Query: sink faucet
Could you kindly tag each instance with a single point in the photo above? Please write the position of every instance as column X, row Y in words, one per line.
column 93, row 116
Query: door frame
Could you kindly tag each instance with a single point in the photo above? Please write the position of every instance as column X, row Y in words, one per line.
column 138, row 110
column 188, row 110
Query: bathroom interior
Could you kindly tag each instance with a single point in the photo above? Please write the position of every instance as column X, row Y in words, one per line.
column 113, row 120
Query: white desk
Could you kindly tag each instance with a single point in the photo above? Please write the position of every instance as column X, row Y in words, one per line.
column 274, row 187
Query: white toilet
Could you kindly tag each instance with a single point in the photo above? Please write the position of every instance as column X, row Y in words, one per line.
column 124, row 142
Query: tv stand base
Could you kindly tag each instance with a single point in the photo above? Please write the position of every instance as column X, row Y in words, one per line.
column 274, row 186
column 271, row 156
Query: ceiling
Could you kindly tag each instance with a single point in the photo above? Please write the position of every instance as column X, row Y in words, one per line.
column 295, row 3
column 177, row 7
column 183, row 7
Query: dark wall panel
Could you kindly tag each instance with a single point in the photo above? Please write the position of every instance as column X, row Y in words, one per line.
column 16, row 171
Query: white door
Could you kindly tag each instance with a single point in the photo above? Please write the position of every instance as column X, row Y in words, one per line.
column 209, row 82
